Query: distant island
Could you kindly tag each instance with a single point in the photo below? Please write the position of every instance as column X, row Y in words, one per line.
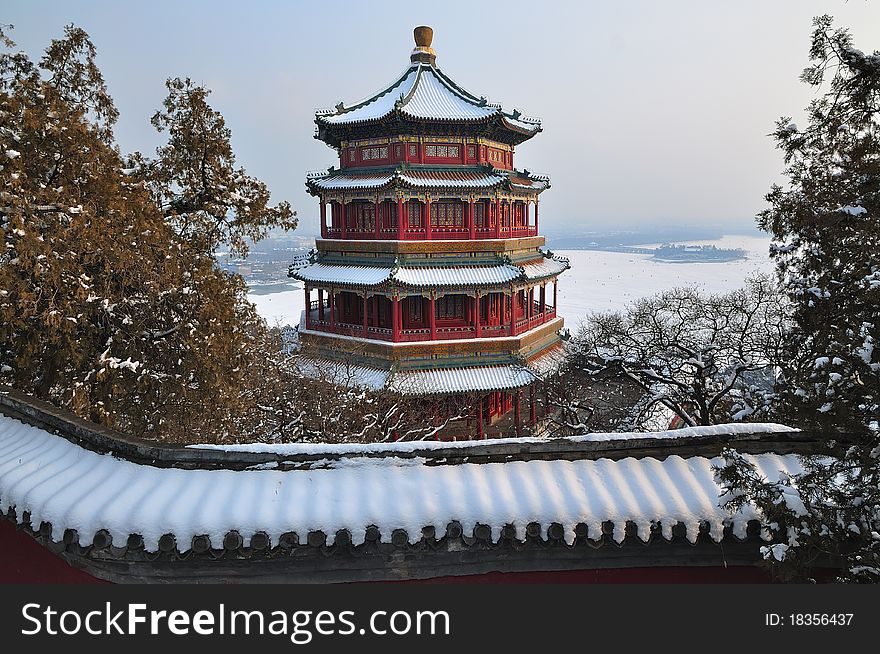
column 673, row 253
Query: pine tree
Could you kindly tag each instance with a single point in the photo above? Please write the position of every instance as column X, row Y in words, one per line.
column 107, row 305
column 826, row 230
column 194, row 180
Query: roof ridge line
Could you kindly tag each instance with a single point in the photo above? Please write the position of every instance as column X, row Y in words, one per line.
column 388, row 88
column 404, row 100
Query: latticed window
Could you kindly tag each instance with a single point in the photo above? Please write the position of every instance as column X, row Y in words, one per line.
column 414, row 215
column 364, row 216
column 447, row 214
column 415, row 309
column 472, row 152
column 368, row 154
column 479, row 214
column 442, row 151
column 413, row 151
column 389, row 214
column 449, row 307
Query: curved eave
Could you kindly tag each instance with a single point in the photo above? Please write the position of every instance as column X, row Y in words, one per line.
column 501, row 276
column 334, row 133
column 404, row 178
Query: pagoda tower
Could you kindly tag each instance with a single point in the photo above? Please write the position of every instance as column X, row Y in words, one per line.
column 429, row 278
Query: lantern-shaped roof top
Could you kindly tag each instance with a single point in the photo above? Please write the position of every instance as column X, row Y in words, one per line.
column 424, row 94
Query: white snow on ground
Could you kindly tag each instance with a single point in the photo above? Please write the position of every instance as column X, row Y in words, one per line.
column 73, row 488
column 412, row 446
column 599, row 281
column 280, row 309
column 606, row 281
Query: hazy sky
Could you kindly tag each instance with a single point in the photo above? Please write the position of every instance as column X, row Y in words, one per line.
column 654, row 113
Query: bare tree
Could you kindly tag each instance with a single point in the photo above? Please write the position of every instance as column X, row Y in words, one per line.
column 707, row 358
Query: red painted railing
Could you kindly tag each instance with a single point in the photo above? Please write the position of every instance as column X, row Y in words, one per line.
column 419, row 334
column 437, row 233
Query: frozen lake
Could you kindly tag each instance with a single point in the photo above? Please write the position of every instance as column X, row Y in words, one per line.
column 597, row 281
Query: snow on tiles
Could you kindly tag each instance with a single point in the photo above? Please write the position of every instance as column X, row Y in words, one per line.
column 72, row 488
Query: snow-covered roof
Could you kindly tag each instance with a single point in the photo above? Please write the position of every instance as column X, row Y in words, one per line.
column 332, row 274
column 456, row 276
column 438, row 178
column 458, row 380
column 52, row 480
column 423, row 92
column 545, row 268
column 425, row 276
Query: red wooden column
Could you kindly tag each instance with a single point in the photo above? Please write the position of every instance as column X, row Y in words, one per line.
column 376, row 310
column 377, row 218
column 323, row 219
column 543, row 298
column 395, row 319
column 536, row 215
column 477, row 314
column 517, row 410
column 332, row 299
column 308, row 307
column 498, row 218
column 321, row 304
column 511, row 330
column 365, row 316
column 533, row 410
column 427, row 209
column 344, row 220
column 555, row 288
column 470, row 217
column 432, row 318
column 480, row 433
column 399, row 219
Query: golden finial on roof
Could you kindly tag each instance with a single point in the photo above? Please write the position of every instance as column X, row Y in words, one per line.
column 423, row 51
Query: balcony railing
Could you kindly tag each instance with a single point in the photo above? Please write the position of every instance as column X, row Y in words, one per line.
column 437, row 233
column 441, row 333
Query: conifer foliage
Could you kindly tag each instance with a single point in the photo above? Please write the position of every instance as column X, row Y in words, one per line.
column 110, row 302
column 826, row 230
